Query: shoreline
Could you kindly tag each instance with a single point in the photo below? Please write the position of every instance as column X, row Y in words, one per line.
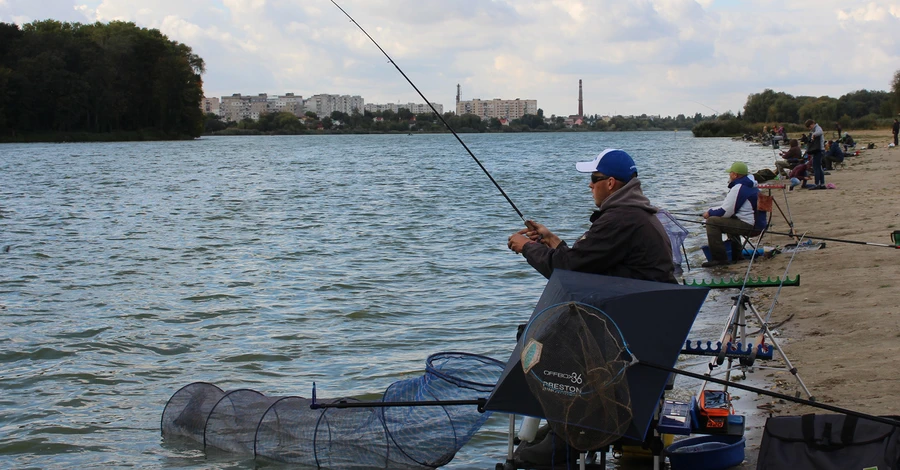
column 841, row 324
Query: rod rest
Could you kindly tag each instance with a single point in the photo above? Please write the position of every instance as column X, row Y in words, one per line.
column 730, row 283
column 763, row 351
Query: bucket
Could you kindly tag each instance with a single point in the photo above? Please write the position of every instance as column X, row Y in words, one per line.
column 706, row 453
column 895, row 237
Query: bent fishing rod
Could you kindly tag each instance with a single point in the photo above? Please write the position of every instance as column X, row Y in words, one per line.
column 436, row 113
column 812, row 237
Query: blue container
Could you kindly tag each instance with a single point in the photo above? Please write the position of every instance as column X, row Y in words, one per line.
column 747, row 253
column 706, row 453
column 705, row 249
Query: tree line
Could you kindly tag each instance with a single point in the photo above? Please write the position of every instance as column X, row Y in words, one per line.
column 862, row 109
column 404, row 121
column 115, row 81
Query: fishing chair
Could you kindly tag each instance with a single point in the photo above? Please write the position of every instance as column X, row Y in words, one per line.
column 763, row 203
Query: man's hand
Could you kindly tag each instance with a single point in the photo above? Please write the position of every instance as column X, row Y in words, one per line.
column 540, row 233
column 518, row 240
column 706, row 215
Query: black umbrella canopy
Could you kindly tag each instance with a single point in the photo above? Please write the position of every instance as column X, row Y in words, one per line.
column 653, row 319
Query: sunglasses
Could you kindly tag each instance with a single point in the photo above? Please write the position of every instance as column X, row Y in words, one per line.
column 596, row 179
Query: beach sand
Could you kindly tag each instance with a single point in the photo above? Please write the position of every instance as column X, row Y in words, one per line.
column 841, row 325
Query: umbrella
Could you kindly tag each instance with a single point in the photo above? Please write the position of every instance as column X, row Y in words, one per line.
column 653, row 319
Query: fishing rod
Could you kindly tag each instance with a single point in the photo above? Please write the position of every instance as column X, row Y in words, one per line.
column 812, row 237
column 480, row 403
column 511, row 203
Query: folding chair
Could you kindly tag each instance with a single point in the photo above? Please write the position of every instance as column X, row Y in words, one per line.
column 763, row 203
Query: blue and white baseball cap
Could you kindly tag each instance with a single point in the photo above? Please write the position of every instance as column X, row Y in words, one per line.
column 610, row 162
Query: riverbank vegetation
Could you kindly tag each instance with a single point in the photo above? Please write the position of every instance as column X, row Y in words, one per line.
column 861, row 109
column 96, row 82
column 406, row 122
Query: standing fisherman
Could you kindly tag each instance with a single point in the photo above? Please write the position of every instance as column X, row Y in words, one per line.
column 815, row 148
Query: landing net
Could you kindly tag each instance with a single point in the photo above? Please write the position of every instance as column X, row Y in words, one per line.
column 676, row 232
column 574, row 359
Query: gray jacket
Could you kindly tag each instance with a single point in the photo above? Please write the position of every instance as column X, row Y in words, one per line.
column 625, row 240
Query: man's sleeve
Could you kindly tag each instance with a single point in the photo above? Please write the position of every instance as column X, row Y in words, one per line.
column 596, row 251
column 727, row 209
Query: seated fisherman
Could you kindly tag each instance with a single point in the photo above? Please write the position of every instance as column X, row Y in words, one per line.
column 847, row 141
column 833, row 155
column 790, row 159
column 799, row 174
column 737, row 215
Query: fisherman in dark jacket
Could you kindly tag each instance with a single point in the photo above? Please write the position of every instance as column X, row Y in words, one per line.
column 625, row 239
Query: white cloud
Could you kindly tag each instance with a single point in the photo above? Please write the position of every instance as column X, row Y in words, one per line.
column 643, row 56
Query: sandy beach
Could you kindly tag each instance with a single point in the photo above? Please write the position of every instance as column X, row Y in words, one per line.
column 841, row 324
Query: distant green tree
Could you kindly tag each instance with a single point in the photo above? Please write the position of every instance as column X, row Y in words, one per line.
column 212, row 123
column 823, row 110
column 97, row 78
column 758, row 105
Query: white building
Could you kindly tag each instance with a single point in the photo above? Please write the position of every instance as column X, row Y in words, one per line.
column 238, row 107
column 210, row 105
column 497, row 108
column 324, row 105
column 288, row 103
column 235, row 107
column 415, row 108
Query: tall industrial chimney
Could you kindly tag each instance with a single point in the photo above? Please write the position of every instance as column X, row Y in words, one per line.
column 457, row 93
column 580, row 106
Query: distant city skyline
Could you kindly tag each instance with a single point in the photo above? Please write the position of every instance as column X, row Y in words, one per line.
column 658, row 57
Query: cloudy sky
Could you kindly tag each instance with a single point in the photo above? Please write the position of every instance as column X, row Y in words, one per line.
column 634, row 56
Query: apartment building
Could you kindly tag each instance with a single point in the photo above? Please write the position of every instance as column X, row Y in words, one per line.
column 210, row 105
column 415, row 108
column 324, row 105
column 238, row 107
column 235, row 107
column 497, row 108
column 288, row 103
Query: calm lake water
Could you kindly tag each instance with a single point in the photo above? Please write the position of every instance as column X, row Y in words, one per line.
column 269, row 263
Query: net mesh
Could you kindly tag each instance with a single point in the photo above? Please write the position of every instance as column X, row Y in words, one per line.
column 676, row 232
column 574, row 359
column 286, row 429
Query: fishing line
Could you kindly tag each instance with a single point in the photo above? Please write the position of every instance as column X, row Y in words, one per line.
column 511, row 203
column 793, row 235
